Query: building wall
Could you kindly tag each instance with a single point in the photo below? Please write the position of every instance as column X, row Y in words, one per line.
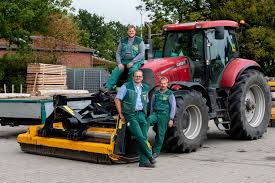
column 75, row 59
column 3, row 52
column 69, row 59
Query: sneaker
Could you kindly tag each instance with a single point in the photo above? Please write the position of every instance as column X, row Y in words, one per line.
column 152, row 160
column 147, row 165
column 155, row 155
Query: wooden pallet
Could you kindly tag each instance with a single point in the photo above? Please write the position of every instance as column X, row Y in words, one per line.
column 45, row 77
column 46, row 69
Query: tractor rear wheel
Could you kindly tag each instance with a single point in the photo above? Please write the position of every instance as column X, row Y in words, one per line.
column 249, row 106
column 190, row 123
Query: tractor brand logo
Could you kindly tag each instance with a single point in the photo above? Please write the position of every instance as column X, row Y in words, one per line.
column 181, row 63
column 69, row 110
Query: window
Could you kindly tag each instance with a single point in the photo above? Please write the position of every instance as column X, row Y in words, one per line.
column 219, row 53
column 187, row 43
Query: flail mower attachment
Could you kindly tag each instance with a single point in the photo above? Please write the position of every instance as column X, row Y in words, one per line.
column 93, row 134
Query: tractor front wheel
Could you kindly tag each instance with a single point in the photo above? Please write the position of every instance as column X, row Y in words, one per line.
column 190, row 123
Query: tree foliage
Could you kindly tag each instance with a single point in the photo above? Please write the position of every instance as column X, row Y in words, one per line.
column 103, row 36
column 21, row 18
column 177, row 10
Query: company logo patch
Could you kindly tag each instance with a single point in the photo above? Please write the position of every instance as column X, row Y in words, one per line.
column 135, row 47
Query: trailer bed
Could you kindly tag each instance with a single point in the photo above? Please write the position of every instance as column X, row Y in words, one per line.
column 30, row 111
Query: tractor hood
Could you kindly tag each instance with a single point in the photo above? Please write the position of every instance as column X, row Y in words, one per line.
column 174, row 68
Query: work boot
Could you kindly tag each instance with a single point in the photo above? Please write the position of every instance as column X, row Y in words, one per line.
column 147, row 165
column 152, row 160
column 155, row 155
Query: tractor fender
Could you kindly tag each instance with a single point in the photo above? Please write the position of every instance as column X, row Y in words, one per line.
column 181, row 85
column 235, row 68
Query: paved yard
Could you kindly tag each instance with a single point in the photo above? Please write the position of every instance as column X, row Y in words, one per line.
column 220, row 160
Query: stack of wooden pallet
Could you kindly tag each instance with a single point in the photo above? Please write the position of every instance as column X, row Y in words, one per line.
column 45, row 77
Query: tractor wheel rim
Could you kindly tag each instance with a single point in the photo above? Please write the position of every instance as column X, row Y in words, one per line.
column 254, row 106
column 195, row 122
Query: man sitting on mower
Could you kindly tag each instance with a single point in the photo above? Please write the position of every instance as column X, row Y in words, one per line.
column 130, row 55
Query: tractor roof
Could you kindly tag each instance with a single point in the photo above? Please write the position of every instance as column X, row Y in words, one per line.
column 200, row 25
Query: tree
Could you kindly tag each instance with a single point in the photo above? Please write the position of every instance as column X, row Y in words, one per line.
column 177, row 10
column 21, row 18
column 118, row 30
column 93, row 24
column 103, row 36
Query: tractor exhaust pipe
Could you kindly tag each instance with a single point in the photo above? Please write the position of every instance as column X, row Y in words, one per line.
column 149, row 45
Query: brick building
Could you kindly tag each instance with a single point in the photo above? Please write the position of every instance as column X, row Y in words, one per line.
column 70, row 55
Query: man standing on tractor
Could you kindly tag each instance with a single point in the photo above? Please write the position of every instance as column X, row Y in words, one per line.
column 129, row 56
column 162, row 112
column 131, row 103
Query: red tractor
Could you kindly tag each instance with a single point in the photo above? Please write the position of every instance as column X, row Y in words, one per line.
column 211, row 82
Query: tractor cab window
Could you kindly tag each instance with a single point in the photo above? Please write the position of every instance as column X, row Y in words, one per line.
column 220, row 52
column 187, row 43
column 230, row 45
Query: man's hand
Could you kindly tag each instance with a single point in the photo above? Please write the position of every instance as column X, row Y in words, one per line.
column 129, row 65
column 120, row 67
column 121, row 116
column 170, row 123
column 118, row 107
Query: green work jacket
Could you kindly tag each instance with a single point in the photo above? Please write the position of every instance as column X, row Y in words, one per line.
column 129, row 101
column 161, row 101
column 134, row 49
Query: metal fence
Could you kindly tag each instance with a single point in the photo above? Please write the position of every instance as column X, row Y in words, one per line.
column 86, row 79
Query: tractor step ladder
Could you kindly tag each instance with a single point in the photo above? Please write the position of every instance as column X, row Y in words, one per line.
column 222, row 125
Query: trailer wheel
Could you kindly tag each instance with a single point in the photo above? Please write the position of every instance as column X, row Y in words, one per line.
column 190, row 123
column 249, row 106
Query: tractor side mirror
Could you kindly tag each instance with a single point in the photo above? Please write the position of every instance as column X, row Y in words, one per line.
column 219, row 33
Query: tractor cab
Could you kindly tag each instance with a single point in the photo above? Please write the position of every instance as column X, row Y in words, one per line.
column 208, row 47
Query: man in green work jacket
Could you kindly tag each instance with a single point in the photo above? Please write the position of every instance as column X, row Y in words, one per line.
column 129, row 56
column 131, row 103
column 162, row 112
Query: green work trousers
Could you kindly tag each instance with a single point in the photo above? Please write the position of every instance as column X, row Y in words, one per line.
column 138, row 127
column 116, row 73
column 161, row 120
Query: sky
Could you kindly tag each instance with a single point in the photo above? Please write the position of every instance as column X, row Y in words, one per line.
column 123, row 11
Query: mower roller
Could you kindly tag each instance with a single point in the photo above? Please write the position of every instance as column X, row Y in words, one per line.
column 91, row 134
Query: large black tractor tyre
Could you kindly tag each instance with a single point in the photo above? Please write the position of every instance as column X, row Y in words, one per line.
column 249, row 106
column 190, row 123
